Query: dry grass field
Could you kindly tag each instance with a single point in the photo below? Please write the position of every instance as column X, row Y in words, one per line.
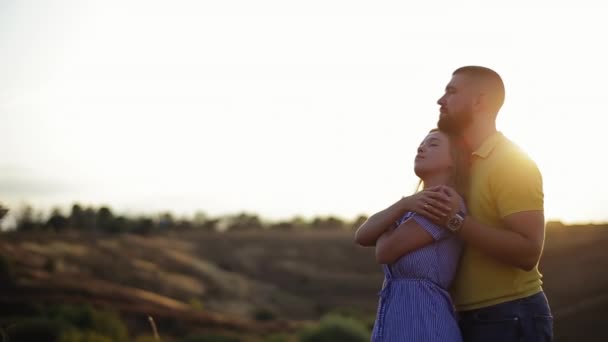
column 266, row 281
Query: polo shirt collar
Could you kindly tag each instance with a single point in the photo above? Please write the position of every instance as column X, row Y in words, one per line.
column 488, row 145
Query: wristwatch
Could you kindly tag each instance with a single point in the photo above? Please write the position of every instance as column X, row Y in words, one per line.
column 456, row 221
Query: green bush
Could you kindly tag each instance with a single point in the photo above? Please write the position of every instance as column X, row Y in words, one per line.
column 35, row 330
column 109, row 324
column 196, row 304
column 67, row 323
column 50, row 265
column 73, row 335
column 210, row 338
column 277, row 338
column 364, row 317
column 264, row 315
column 146, row 338
column 85, row 318
column 80, row 316
column 335, row 328
column 7, row 273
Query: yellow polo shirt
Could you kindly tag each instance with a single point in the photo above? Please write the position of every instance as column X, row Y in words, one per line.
column 504, row 180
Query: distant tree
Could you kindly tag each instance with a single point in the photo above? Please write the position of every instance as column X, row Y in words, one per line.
column 183, row 224
column 76, row 219
column 358, row 221
column 282, row 225
column 90, row 218
column 327, row 223
column 199, row 218
column 27, row 220
column 142, row 226
column 243, row 221
column 211, row 225
column 121, row 224
column 204, row 222
column 295, row 223
column 57, row 221
column 298, row 222
column 105, row 220
column 3, row 211
column 166, row 221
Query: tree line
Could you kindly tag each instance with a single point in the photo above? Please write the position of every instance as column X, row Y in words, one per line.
column 104, row 219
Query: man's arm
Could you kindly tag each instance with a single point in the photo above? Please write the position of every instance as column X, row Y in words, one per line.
column 518, row 196
column 520, row 244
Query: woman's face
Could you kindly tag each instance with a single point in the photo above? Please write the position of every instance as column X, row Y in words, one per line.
column 433, row 155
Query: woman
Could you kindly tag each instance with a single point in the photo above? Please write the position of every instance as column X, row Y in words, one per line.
column 419, row 256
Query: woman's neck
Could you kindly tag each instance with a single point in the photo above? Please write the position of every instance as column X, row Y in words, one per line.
column 436, row 179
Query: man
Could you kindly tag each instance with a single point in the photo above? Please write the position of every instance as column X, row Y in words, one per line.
column 497, row 291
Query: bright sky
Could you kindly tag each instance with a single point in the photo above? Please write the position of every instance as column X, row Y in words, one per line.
column 285, row 108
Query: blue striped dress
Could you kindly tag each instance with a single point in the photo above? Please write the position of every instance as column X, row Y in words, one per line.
column 414, row 304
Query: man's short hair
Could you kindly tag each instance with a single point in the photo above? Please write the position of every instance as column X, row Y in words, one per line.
column 490, row 84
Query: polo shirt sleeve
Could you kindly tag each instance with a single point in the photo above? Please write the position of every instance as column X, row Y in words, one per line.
column 437, row 232
column 517, row 186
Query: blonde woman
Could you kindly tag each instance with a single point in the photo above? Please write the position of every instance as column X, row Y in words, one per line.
column 419, row 256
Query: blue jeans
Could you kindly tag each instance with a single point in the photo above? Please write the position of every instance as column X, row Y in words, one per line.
column 523, row 320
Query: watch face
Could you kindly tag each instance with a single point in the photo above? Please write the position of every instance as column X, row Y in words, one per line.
column 454, row 223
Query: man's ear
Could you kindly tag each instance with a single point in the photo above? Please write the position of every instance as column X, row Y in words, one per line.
column 479, row 102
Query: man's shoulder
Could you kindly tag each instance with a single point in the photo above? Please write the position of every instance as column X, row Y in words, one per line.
column 509, row 152
column 510, row 161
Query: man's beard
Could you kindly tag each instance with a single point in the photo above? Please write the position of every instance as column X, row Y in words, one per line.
column 454, row 124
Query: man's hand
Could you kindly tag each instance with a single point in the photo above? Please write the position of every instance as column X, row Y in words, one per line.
column 431, row 203
column 449, row 208
column 519, row 243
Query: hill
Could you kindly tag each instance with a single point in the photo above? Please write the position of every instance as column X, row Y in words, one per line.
column 266, row 281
